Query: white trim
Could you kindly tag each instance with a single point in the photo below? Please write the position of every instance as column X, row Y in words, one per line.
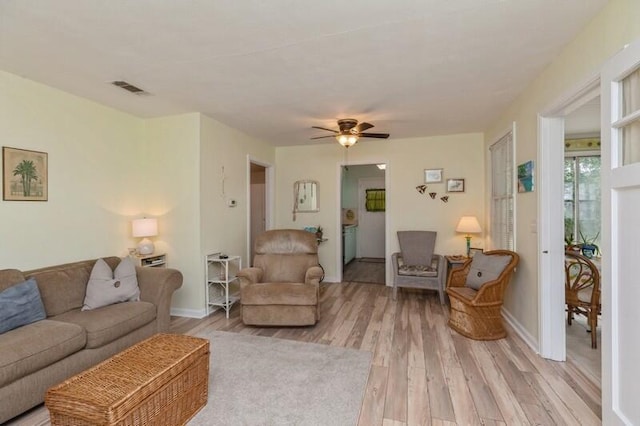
column 189, row 313
column 520, row 330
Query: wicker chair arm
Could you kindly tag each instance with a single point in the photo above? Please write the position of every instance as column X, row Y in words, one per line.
column 458, row 275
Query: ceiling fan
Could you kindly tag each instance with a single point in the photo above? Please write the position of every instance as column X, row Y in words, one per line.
column 350, row 131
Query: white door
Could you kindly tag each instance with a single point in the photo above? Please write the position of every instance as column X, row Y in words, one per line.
column 370, row 234
column 621, row 236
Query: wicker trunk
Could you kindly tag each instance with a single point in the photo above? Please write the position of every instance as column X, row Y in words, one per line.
column 160, row 381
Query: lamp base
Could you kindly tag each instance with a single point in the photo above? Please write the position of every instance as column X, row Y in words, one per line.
column 468, row 237
column 145, row 246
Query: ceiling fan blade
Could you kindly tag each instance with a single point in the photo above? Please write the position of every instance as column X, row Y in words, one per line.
column 374, row 135
column 324, row 128
column 363, row 126
column 322, row 137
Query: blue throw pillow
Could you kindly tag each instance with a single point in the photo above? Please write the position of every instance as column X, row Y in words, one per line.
column 20, row 305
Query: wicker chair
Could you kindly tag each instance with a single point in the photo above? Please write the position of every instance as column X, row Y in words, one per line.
column 476, row 313
column 582, row 290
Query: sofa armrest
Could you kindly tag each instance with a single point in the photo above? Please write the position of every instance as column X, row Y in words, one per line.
column 249, row 276
column 157, row 286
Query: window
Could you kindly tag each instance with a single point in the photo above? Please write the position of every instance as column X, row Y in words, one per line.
column 581, row 197
column 375, row 200
column 502, row 203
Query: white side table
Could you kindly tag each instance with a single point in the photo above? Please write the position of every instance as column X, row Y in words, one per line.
column 220, row 274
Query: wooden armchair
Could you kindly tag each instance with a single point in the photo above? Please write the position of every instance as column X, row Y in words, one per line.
column 582, row 290
column 475, row 312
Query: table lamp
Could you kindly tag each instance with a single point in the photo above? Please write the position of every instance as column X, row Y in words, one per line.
column 147, row 227
column 468, row 225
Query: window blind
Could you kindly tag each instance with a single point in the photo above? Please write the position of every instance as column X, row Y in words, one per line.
column 502, row 197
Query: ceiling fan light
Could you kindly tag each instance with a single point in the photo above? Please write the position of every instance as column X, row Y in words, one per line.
column 347, row 140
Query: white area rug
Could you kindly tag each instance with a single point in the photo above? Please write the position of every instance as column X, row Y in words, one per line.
column 266, row 381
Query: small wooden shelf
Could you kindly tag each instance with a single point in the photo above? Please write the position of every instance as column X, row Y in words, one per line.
column 156, row 260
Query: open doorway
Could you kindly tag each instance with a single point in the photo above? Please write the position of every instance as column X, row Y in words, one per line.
column 363, row 219
column 259, row 209
column 582, row 222
column 562, row 121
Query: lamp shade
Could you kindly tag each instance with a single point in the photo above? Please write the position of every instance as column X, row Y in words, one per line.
column 468, row 225
column 147, row 227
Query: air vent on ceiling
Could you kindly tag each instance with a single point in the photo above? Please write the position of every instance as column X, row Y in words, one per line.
column 130, row 88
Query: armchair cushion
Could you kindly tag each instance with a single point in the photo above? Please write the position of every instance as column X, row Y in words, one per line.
column 485, row 268
column 430, row 270
column 280, row 294
column 417, row 246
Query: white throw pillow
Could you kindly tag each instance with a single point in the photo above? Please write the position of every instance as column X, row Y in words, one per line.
column 107, row 287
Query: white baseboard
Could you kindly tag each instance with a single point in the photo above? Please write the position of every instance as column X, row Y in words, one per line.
column 524, row 334
column 189, row 313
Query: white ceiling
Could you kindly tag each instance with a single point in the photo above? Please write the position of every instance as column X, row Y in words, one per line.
column 275, row 68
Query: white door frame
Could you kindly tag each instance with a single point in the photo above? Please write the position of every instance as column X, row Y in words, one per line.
column 269, row 197
column 551, row 306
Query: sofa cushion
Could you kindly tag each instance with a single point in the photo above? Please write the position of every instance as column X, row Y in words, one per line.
column 279, row 294
column 35, row 346
column 418, row 270
column 485, row 268
column 62, row 288
column 106, row 287
column 106, row 324
column 20, row 305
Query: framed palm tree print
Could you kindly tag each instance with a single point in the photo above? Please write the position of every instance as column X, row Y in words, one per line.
column 24, row 175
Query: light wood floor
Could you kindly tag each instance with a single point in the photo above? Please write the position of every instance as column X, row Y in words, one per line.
column 371, row 271
column 423, row 373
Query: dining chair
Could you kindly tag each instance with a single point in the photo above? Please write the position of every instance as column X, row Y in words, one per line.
column 582, row 290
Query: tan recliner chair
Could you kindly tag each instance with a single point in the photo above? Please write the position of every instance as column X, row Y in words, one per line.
column 283, row 286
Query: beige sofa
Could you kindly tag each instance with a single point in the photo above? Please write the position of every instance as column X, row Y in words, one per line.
column 36, row 356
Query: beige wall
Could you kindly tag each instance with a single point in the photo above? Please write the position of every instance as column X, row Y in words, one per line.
column 95, row 173
column 224, row 228
column 406, row 209
column 172, row 194
column 581, row 59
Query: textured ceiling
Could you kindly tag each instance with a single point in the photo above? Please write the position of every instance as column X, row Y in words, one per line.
column 272, row 69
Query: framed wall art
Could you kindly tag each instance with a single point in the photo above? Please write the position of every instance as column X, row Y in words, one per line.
column 432, row 175
column 24, row 175
column 455, row 185
column 526, row 180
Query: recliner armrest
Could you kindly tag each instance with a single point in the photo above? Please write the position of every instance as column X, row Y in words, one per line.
column 249, row 276
column 313, row 275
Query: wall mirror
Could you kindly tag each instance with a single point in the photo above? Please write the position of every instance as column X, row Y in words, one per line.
column 305, row 196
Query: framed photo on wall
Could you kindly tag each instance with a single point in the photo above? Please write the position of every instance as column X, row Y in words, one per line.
column 24, row 175
column 455, row 185
column 432, row 175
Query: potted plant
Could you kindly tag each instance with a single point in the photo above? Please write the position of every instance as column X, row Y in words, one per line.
column 588, row 245
column 570, row 244
column 319, row 232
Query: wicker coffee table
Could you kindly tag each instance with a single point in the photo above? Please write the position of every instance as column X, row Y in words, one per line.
column 160, row 381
